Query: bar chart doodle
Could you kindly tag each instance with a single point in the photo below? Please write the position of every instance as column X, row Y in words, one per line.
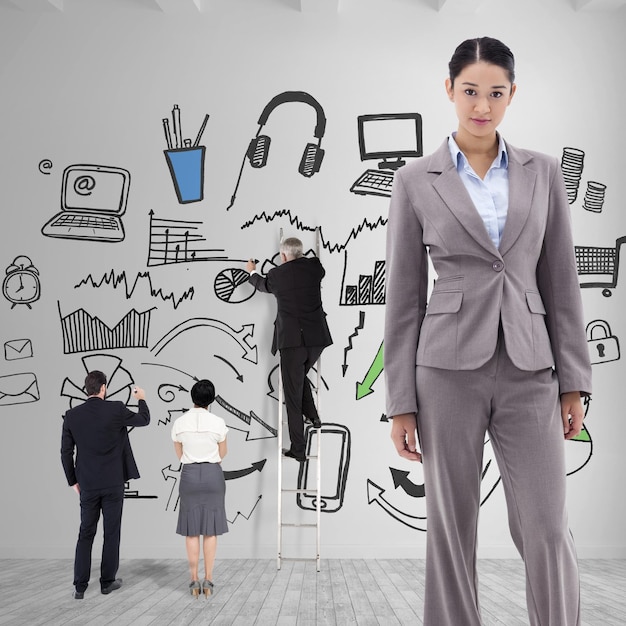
column 367, row 289
column 178, row 241
column 83, row 332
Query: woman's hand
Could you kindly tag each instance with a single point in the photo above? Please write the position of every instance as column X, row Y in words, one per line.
column 403, row 435
column 572, row 414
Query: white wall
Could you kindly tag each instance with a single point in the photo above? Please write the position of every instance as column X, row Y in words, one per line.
column 90, row 85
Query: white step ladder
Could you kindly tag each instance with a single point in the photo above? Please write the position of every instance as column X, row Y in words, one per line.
column 311, row 456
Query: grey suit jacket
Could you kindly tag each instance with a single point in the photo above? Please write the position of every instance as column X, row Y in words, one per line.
column 530, row 284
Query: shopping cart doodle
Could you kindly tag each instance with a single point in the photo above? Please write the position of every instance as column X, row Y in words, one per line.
column 599, row 266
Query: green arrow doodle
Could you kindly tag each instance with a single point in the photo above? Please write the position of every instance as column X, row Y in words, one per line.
column 364, row 388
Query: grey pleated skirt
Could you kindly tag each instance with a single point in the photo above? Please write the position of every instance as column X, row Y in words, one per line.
column 201, row 509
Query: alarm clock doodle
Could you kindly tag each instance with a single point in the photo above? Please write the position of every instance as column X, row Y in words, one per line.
column 21, row 284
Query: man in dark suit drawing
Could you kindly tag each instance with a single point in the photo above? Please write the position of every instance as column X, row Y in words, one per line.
column 300, row 332
column 104, row 462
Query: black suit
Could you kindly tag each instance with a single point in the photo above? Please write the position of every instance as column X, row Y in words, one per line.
column 104, row 462
column 300, row 334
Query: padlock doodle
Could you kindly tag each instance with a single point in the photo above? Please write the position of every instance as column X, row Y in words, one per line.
column 603, row 347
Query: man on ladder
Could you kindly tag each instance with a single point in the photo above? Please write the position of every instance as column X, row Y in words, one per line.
column 300, row 332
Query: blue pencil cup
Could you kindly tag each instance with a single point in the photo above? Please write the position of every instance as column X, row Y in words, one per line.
column 186, row 166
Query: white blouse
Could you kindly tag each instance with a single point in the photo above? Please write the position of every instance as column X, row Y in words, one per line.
column 199, row 431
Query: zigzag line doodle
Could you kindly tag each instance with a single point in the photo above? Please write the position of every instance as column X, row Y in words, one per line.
column 246, row 517
column 115, row 280
column 360, row 326
column 295, row 220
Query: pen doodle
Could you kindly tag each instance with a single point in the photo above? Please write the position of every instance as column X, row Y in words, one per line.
column 185, row 160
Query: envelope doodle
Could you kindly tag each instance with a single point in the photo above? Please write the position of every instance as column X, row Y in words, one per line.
column 18, row 389
column 18, row 349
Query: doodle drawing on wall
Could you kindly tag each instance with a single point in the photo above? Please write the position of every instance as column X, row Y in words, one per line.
column 258, row 148
column 185, row 160
column 390, row 137
column 21, row 284
column 18, row 389
column 599, row 265
column 93, row 200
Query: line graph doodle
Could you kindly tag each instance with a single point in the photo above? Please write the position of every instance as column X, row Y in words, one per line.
column 294, row 220
column 114, row 280
column 246, row 517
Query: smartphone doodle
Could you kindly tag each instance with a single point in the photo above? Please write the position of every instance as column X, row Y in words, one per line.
column 335, row 453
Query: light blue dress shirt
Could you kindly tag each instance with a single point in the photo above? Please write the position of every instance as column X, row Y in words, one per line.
column 491, row 195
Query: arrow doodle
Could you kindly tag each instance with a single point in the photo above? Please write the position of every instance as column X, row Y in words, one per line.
column 255, row 467
column 171, row 412
column 247, row 419
column 365, row 388
column 401, row 479
column 164, row 392
column 173, row 368
column 240, row 336
column 246, row 517
column 375, row 494
column 171, row 474
column 272, row 390
column 360, row 326
column 239, row 376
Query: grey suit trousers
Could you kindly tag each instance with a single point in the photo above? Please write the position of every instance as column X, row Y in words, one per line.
column 520, row 410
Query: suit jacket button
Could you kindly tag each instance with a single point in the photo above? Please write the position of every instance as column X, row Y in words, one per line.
column 497, row 266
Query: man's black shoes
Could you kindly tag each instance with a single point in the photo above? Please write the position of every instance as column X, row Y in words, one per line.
column 78, row 595
column 293, row 455
column 116, row 584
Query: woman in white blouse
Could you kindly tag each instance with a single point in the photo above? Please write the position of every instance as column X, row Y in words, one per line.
column 200, row 444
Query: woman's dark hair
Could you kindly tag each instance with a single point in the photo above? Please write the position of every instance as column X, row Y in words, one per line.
column 203, row 393
column 94, row 381
column 485, row 49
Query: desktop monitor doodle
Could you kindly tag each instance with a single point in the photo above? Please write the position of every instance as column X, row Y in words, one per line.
column 93, row 199
column 390, row 137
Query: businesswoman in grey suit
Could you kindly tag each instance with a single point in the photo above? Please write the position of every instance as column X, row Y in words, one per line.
column 499, row 347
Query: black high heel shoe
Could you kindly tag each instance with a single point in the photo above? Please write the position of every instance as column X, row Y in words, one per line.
column 207, row 587
column 194, row 588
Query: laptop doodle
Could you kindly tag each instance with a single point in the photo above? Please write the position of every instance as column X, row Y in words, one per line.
column 93, row 199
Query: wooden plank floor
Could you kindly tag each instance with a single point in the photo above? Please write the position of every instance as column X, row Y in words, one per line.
column 254, row 592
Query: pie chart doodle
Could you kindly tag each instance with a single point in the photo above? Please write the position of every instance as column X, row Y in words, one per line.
column 232, row 286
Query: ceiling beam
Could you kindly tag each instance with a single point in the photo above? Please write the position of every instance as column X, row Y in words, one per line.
column 462, row 6
column 180, row 6
column 319, row 6
column 39, row 6
column 597, row 5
